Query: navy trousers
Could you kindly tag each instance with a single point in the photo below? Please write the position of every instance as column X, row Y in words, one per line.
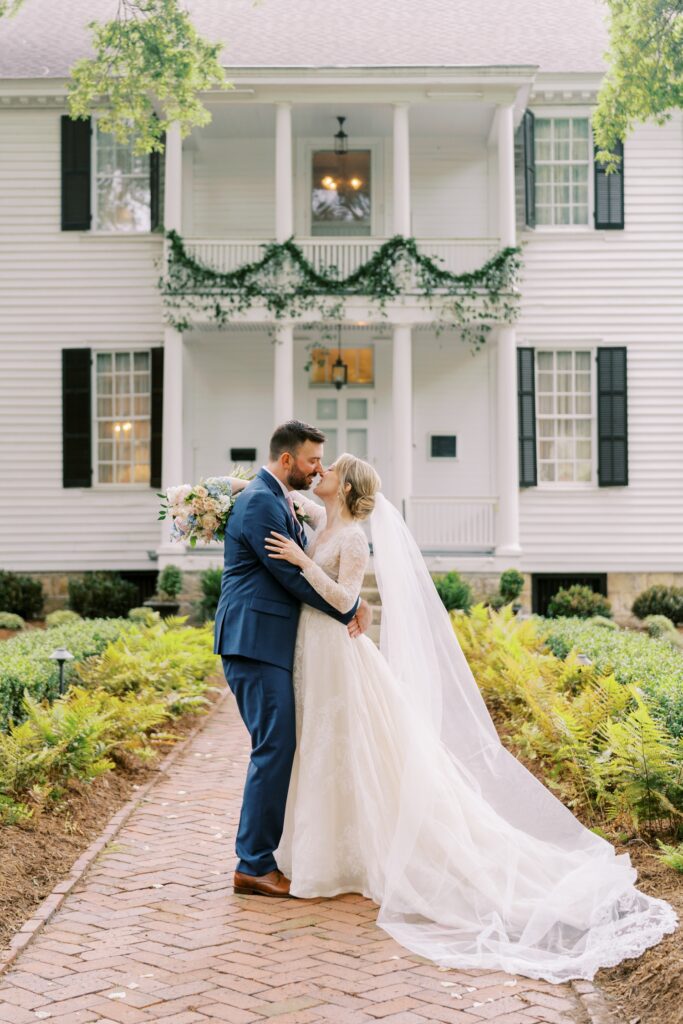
column 265, row 699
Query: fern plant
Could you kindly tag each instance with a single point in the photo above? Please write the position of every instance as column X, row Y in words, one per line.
column 672, row 855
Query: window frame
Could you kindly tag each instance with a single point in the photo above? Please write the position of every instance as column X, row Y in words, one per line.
column 113, row 349
column 95, row 229
column 304, row 214
column 552, row 113
column 539, row 347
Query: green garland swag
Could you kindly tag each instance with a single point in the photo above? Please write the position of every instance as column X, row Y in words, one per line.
column 287, row 284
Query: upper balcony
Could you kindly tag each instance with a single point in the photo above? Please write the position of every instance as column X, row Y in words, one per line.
column 343, row 206
column 439, row 172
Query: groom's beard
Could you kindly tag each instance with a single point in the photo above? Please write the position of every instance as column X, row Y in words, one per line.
column 298, row 480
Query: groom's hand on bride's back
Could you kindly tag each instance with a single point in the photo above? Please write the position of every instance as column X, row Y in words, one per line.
column 361, row 621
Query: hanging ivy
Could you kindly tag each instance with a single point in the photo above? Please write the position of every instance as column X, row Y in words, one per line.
column 288, row 285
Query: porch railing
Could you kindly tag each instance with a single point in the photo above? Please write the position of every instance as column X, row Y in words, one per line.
column 453, row 524
column 459, row 255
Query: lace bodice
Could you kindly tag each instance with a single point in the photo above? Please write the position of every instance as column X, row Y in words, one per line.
column 340, row 558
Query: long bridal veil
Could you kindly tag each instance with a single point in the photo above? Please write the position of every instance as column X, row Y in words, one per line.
column 549, row 899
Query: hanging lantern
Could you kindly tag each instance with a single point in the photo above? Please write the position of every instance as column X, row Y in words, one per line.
column 340, row 371
column 341, row 139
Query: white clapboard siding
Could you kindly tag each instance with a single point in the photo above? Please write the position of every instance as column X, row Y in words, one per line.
column 619, row 288
column 233, row 192
column 449, row 188
column 58, row 290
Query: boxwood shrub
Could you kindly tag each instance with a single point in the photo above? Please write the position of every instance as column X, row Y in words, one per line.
column 21, row 595
column 25, row 660
column 102, row 595
column 660, row 600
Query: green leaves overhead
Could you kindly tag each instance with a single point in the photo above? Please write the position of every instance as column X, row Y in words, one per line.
column 288, row 285
column 645, row 79
column 149, row 67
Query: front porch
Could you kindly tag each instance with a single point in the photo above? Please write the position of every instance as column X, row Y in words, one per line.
column 441, row 427
column 419, row 405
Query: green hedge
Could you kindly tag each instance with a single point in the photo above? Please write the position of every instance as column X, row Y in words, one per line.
column 25, row 661
column 652, row 663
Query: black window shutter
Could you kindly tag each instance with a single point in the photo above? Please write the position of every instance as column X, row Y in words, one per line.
column 609, row 194
column 76, row 214
column 612, row 418
column 157, row 417
column 76, row 418
column 528, row 122
column 525, row 172
column 526, row 415
column 156, row 187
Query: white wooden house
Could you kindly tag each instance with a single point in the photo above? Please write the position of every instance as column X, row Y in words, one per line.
column 555, row 448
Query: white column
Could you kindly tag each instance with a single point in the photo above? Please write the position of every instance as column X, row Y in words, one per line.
column 172, row 434
column 283, row 363
column 401, row 199
column 172, row 428
column 507, row 457
column 506, row 177
column 507, row 524
column 284, row 187
column 173, row 175
column 402, row 416
column 283, row 374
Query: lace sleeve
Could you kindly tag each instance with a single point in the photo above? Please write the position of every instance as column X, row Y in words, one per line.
column 343, row 592
column 315, row 512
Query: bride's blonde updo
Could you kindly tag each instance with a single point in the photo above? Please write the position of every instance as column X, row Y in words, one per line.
column 364, row 480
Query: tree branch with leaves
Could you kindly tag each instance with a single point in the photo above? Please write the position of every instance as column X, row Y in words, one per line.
column 149, row 68
column 645, row 78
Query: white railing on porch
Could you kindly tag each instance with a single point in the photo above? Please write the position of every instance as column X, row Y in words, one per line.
column 453, row 524
column 459, row 255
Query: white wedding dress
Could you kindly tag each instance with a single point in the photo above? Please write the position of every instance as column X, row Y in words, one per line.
column 380, row 803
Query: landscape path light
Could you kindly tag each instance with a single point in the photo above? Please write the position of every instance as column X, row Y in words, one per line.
column 61, row 655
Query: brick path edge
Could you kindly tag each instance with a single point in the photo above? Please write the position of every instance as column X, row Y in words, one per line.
column 594, row 1003
column 49, row 906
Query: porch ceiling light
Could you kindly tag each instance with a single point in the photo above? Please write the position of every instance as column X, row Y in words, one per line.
column 341, row 139
column 340, row 371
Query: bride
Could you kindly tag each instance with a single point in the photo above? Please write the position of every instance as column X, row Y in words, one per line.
column 402, row 791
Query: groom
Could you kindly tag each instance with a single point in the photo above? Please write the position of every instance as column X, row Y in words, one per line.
column 256, row 624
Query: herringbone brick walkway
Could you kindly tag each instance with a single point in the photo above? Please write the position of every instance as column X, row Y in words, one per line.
column 154, row 933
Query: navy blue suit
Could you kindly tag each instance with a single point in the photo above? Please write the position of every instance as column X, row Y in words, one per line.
column 256, row 624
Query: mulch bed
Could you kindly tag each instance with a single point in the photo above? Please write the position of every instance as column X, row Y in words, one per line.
column 9, row 634
column 648, row 990
column 36, row 856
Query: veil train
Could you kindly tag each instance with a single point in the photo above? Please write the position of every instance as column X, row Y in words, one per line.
column 570, row 905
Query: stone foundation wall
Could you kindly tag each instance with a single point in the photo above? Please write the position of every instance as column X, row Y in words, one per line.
column 622, row 589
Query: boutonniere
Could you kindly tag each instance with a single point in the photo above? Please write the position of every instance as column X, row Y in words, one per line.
column 300, row 514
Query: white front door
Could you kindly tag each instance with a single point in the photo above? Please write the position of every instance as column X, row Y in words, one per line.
column 345, row 417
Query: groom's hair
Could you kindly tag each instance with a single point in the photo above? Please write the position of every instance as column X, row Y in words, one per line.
column 290, row 436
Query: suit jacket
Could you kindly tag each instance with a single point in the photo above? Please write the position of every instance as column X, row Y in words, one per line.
column 258, row 610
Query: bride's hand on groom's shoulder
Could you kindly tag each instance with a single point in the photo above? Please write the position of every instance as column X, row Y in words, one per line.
column 285, row 550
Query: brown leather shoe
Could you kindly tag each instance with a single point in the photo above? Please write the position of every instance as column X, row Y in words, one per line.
column 272, row 884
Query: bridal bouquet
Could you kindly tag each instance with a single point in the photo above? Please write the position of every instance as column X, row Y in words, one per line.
column 200, row 512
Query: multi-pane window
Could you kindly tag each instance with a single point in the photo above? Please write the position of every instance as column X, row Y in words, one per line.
column 122, row 417
column 564, row 411
column 122, row 185
column 562, row 151
column 345, row 422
